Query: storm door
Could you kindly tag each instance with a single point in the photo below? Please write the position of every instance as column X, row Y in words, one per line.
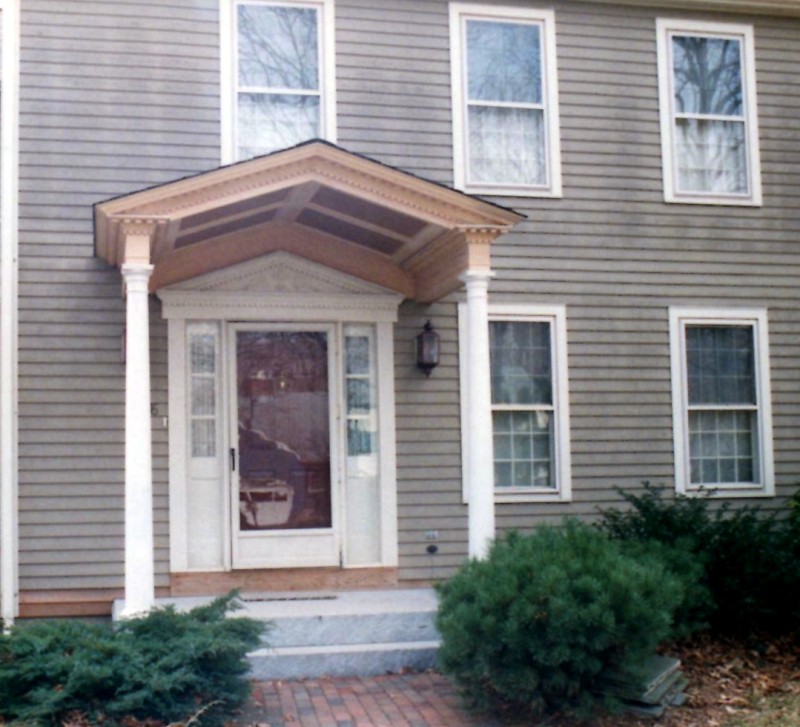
column 283, row 456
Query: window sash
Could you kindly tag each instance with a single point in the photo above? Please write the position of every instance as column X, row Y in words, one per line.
column 293, row 133
column 533, row 174
column 523, row 471
column 710, row 153
column 491, row 163
column 709, row 172
column 723, row 443
column 203, row 394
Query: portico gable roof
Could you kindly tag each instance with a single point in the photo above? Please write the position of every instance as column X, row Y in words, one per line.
column 315, row 200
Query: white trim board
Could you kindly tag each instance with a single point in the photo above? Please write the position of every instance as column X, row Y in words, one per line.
column 9, row 267
column 281, row 289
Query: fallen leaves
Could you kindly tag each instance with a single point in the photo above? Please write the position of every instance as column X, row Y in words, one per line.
column 731, row 683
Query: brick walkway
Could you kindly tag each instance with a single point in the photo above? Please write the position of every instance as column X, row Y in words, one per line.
column 402, row 700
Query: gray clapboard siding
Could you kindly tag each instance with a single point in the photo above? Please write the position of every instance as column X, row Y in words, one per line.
column 115, row 97
column 611, row 249
column 120, row 96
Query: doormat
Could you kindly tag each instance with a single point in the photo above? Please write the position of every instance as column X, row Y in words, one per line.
column 255, row 597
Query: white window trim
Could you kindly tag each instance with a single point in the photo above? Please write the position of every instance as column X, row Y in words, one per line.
column 556, row 316
column 757, row 318
column 664, row 28
column 228, row 66
column 459, row 13
column 9, row 316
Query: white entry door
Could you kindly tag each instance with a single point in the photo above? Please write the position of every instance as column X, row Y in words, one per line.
column 284, row 454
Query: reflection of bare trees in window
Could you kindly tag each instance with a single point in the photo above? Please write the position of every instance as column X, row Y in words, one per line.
column 708, row 75
column 279, row 88
column 707, row 85
column 505, row 114
column 504, row 62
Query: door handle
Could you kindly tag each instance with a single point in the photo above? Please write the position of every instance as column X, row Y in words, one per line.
column 233, row 460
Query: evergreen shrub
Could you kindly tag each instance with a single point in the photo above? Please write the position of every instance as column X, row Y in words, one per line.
column 535, row 624
column 678, row 532
column 166, row 666
column 749, row 559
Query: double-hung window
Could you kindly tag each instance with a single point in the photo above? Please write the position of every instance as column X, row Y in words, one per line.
column 529, row 399
column 721, row 401
column 278, row 78
column 505, row 100
column 709, row 124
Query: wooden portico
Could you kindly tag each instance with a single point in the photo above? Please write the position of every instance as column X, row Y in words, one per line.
column 317, row 202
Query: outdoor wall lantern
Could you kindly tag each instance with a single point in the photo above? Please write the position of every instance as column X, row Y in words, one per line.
column 428, row 349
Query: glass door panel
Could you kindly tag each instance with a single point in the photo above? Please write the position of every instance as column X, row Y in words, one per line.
column 282, row 382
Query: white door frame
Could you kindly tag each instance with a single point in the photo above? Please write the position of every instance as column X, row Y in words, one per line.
column 288, row 548
column 244, row 293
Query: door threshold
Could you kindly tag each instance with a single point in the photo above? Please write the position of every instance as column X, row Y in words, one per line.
column 282, row 580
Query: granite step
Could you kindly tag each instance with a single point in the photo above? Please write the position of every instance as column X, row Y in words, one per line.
column 353, row 633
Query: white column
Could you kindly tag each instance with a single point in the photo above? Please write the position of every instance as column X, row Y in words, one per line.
column 139, row 569
column 480, row 449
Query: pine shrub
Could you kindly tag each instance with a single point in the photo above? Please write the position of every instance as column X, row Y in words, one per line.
column 165, row 667
column 535, row 624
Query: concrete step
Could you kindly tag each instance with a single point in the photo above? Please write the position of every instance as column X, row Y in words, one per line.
column 345, row 633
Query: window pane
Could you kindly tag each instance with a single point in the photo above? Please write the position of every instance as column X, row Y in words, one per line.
column 723, row 447
column 504, row 62
column 711, row 156
column 358, row 396
column 202, row 396
column 521, row 362
column 204, row 438
column 278, row 47
column 267, row 122
column 506, row 146
column 202, row 353
column 360, row 438
column 721, row 364
column 707, row 75
column 524, row 456
column 357, row 354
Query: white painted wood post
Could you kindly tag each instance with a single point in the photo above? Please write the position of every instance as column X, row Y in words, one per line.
column 480, row 449
column 9, row 267
column 139, row 568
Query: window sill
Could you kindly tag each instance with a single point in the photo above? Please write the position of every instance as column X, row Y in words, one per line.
column 506, row 497
column 502, row 191
column 727, row 493
column 712, row 201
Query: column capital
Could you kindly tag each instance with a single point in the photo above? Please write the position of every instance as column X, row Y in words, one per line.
column 137, row 226
column 136, row 277
column 477, row 241
column 476, row 278
column 137, row 240
column 482, row 234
